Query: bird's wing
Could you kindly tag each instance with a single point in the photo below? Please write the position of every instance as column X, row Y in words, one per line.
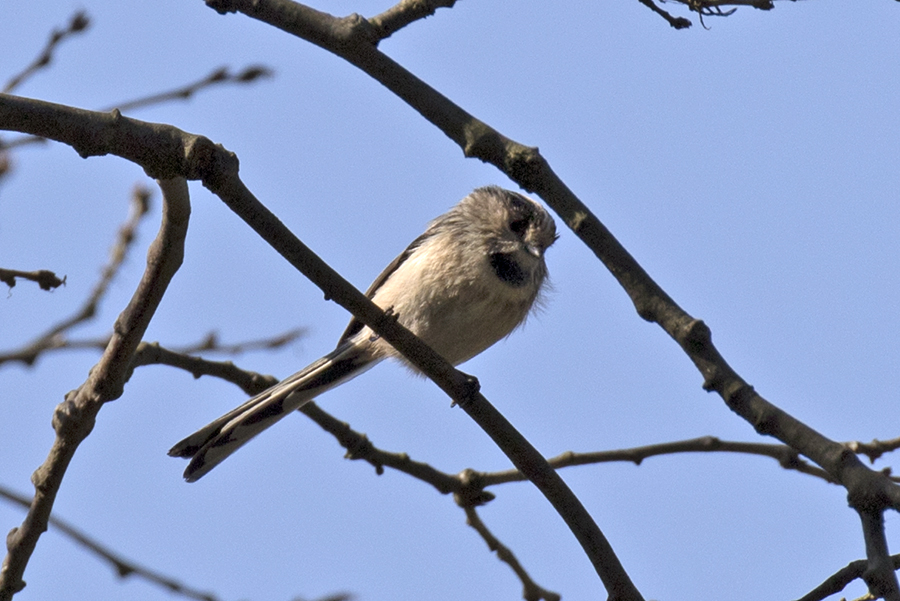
column 356, row 325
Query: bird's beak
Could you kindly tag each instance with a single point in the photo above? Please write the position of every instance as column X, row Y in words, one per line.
column 535, row 250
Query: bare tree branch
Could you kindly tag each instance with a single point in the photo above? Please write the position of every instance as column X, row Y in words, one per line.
column 47, row 280
column 352, row 39
column 151, row 353
column 177, row 356
column 675, row 22
column 787, row 457
column 836, row 582
column 212, row 344
column 221, row 75
column 705, row 8
column 530, row 589
column 875, row 449
column 359, row 447
column 469, row 486
column 166, row 152
column 123, row 567
column 55, row 336
column 77, row 23
column 74, row 418
column 405, row 12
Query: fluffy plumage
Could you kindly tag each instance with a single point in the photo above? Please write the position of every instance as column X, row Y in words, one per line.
column 468, row 281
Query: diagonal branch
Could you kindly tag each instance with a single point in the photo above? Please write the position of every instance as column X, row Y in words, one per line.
column 77, row 23
column 165, row 152
column 74, row 418
column 123, row 567
column 531, row 591
column 353, row 39
column 837, row 581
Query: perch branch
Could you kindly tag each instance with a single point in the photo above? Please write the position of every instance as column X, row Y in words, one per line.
column 165, row 152
column 352, row 38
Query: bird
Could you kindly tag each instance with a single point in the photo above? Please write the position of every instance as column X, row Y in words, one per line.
column 468, row 281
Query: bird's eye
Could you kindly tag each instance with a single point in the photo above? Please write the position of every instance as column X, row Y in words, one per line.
column 519, row 226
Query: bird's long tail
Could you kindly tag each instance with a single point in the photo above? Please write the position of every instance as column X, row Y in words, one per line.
column 212, row 444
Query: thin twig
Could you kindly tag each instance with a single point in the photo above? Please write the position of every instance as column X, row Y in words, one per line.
column 208, row 344
column 405, row 12
column 77, row 23
column 359, row 447
column 74, row 418
column 705, row 8
column 530, row 589
column 47, row 280
column 222, row 75
column 875, row 449
column 329, row 597
column 123, row 567
column 151, row 353
column 55, row 337
column 785, row 455
column 840, row 579
column 212, row 344
column 675, row 22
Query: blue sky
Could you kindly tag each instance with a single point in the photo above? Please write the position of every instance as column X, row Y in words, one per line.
column 750, row 168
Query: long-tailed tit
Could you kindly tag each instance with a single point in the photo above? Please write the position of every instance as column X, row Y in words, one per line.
column 468, row 281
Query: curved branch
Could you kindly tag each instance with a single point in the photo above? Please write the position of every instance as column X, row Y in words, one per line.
column 837, row 581
column 221, row 75
column 74, row 418
column 785, row 455
column 165, row 152
column 353, row 39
